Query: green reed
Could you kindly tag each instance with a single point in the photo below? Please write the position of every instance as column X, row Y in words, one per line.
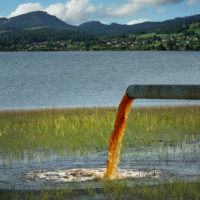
column 177, row 190
column 82, row 131
column 113, row 190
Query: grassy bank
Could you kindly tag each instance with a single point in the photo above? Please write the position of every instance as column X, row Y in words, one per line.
column 113, row 190
column 87, row 130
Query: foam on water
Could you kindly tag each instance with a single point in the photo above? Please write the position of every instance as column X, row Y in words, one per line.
column 84, row 174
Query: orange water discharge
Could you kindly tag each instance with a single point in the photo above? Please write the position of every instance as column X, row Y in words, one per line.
column 117, row 136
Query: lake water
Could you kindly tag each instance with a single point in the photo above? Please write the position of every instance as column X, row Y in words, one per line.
column 182, row 162
column 75, row 79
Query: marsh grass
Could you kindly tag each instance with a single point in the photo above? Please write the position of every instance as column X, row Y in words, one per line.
column 116, row 190
column 176, row 190
column 82, row 131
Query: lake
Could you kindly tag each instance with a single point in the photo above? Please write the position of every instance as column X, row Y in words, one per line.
column 74, row 79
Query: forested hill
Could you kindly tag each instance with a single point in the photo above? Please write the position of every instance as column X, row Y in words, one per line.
column 39, row 19
column 34, row 19
column 3, row 20
column 98, row 28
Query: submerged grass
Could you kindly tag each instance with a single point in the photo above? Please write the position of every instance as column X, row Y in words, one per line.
column 176, row 190
column 87, row 130
column 116, row 190
column 83, row 131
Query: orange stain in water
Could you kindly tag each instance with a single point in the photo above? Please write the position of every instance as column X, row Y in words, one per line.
column 117, row 136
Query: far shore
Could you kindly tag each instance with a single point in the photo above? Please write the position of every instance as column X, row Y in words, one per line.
column 38, row 109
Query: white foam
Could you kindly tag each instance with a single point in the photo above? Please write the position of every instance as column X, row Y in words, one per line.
column 84, row 174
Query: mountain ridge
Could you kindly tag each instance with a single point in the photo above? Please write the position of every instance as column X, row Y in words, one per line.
column 34, row 19
column 43, row 19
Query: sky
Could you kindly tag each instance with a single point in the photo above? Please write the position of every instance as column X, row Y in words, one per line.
column 106, row 11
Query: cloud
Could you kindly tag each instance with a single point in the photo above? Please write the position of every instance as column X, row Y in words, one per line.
column 78, row 11
column 123, row 11
column 26, row 8
column 73, row 12
column 155, row 2
column 102, row 22
column 130, row 7
column 192, row 2
column 137, row 21
column 160, row 11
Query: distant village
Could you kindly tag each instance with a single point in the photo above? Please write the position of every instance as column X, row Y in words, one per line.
column 188, row 39
column 132, row 42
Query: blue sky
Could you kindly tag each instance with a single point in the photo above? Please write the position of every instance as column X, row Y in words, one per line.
column 106, row 11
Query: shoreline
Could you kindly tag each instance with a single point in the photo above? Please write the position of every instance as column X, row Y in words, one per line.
column 104, row 50
column 114, row 107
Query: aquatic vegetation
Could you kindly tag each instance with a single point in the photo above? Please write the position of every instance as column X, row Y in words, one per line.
column 65, row 132
column 116, row 189
column 83, row 131
column 176, row 190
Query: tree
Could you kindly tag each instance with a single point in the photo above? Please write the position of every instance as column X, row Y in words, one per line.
column 171, row 44
column 161, row 47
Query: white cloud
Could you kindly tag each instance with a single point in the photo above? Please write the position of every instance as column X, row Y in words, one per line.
column 73, row 12
column 155, row 2
column 126, row 10
column 102, row 22
column 137, row 21
column 192, row 2
column 78, row 11
column 130, row 7
column 26, row 8
column 160, row 11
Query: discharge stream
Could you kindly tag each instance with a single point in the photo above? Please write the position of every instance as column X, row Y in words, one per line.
column 117, row 136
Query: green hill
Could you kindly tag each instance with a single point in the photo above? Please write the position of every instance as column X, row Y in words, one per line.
column 168, row 26
column 34, row 19
column 3, row 20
